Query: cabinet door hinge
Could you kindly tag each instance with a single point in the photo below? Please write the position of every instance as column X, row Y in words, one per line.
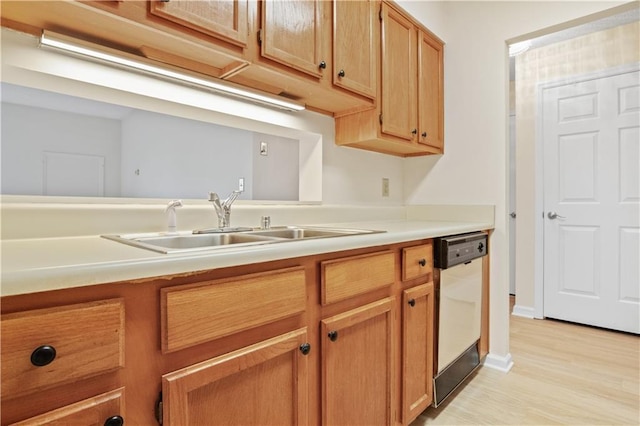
column 380, row 118
column 260, row 37
column 380, row 13
column 159, row 409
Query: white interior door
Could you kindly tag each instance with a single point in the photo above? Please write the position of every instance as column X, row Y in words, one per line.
column 591, row 201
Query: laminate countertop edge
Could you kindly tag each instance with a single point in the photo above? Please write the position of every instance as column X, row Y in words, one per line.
column 43, row 264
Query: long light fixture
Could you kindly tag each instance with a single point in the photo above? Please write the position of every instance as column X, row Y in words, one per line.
column 63, row 43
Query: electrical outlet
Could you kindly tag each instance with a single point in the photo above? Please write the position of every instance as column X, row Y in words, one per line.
column 241, row 184
column 385, row 187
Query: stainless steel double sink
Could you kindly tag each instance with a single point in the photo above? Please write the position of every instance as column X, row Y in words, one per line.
column 216, row 238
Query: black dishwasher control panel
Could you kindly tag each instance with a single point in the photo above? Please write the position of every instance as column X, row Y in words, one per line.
column 456, row 249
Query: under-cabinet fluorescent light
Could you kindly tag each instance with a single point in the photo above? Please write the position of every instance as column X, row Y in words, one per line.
column 99, row 53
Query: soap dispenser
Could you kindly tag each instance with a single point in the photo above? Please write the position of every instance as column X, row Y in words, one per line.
column 171, row 215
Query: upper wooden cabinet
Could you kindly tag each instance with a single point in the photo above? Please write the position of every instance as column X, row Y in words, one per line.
column 355, row 46
column 291, row 34
column 398, row 72
column 225, row 19
column 430, row 92
column 408, row 119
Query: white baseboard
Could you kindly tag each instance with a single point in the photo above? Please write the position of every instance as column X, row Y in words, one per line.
column 500, row 363
column 523, row 311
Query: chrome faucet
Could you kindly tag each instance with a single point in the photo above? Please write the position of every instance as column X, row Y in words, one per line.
column 223, row 208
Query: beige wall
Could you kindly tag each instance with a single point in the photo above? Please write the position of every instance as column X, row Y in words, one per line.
column 578, row 56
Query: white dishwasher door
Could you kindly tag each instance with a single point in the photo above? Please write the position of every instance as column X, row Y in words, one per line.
column 460, row 310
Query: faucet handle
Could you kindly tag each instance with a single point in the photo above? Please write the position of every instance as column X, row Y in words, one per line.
column 213, row 197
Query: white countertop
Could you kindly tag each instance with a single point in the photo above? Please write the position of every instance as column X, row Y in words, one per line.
column 40, row 264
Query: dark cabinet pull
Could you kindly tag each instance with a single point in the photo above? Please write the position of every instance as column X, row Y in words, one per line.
column 414, row 132
column 424, row 134
column 114, row 421
column 333, row 336
column 412, row 302
column 322, row 65
column 422, row 262
column 43, row 355
column 305, row 348
column 341, row 73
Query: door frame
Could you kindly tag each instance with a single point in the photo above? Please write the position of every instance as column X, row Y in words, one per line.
column 538, row 276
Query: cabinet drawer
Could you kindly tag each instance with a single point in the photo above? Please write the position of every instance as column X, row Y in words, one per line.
column 417, row 261
column 92, row 411
column 206, row 311
column 79, row 341
column 344, row 278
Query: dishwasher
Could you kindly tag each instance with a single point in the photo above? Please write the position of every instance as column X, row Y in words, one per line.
column 458, row 315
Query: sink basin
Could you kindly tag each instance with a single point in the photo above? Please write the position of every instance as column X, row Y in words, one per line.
column 295, row 232
column 172, row 243
column 216, row 238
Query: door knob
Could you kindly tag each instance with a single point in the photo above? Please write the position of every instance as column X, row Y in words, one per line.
column 554, row 215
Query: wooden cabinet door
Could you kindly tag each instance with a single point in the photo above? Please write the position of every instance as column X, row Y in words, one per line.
column 430, row 92
column 417, row 350
column 357, row 366
column 399, row 115
column 291, row 34
column 355, row 44
column 263, row 384
column 224, row 19
column 106, row 409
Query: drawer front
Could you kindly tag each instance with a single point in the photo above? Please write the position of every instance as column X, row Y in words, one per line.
column 91, row 411
column 344, row 278
column 417, row 261
column 88, row 339
column 207, row 311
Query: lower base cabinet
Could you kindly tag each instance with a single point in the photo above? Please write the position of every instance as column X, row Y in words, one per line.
column 263, row 384
column 357, row 366
column 353, row 344
column 417, row 350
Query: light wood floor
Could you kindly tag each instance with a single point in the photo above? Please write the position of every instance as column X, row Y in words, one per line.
column 563, row 374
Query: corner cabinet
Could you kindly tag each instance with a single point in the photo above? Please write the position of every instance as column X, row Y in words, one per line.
column 409, row 117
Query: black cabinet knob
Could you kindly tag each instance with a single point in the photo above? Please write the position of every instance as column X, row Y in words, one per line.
column 422, row 262
column 305, row 348
column 322, row 65
column 43, row 355
column 333, row 336
column 341, row 73
column 424, row 134
column 114, row 421
column 412, row 302
column 414, row 132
